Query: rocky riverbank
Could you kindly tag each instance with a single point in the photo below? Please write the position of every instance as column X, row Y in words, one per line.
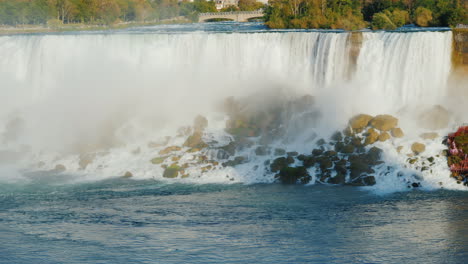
column 352, row 156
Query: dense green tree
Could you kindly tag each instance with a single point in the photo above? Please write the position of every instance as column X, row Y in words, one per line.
column 249, row 5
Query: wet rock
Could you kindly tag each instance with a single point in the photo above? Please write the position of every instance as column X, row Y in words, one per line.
column 348, row 149
column 237, row 161
column 262, row 151
column 293, row 175
column 399, row 149
column 200, row 123
column 85, row 160
column 340, row 178
column 364, row 180
column 169, row 150
column 172, row 171
column 369, row 180
column 59, row 168
column 158, row 160
column 430, row 159
column 230, row 148
column 317, row 152
column 280, row 152
column 397, row 132
column 340, row 166
column 412, row 160
column 280, row 163
column 321, row 142
column 356, row 141
column 418, row 148
column 330, row 153
column 309, row 161
column 127, row 175
column 371, row 137
column 195, row 141
column 384, row 122
column 360, row 122
column 292, row 153
column 374, row 155
column 339, row 146
column 434, row 118
column 337, row 136
column 325, row 163
column 429, row 135
column 384, row 136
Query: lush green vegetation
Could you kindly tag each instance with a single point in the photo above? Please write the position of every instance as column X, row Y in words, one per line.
column 357, row 14
column 97, row 12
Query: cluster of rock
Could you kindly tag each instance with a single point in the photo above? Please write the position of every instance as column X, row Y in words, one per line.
column 344, row 159
column 348, row 157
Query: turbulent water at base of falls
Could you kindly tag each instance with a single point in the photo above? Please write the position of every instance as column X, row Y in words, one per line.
column 65, row 96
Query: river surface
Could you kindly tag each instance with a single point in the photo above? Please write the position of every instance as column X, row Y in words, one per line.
column 85, row 108
column 125, row 221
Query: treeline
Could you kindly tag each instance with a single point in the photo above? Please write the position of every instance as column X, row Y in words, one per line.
column 14, row 12
column 358, row 14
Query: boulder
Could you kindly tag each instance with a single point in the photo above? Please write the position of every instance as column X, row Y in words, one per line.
column 172, row 171
column 169, row 150
column 371, row 137
column 158, row 160
column 127, row 175
column 337, row 136
column 309, row 161
column 339, row 146
column 340, row 178
column 399, row 149
column 85, row 160
column 293, row 175
column 348, row 149
column 384, row 122
column 429, row 135
column 317, row 152
column 230, row 148
column 280, row 163
column 397, row 132
column 418, row 148
column 280, row 152
column 434, row 118
column 374, row 155
column 237, row 161
column 321, row 142
column 200, row 123
column 360, row 122
column 384, row 136
column 262, row 151
column 59, row 168
column 195, row 141
column 325, row 163
column 368, row 180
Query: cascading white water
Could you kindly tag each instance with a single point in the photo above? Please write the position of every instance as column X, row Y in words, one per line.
column 73, row 91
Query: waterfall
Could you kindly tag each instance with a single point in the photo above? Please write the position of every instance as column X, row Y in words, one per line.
column 85, row 88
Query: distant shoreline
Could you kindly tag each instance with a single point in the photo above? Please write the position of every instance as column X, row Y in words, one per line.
column 37, row 29
column 33, row 29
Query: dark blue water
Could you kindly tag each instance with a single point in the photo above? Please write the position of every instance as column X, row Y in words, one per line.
column 126, row 221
